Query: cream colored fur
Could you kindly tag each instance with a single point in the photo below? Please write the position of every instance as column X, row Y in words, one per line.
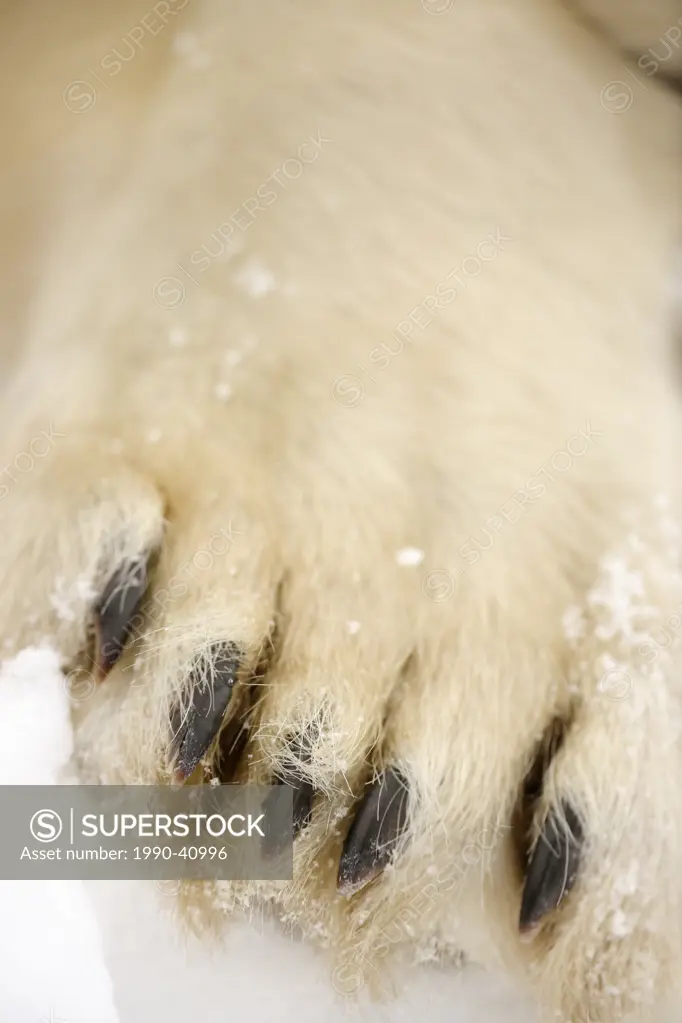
column 448, row 332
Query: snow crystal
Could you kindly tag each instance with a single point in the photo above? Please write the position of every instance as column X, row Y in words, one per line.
column 223, row 391
column 626, row 884
column 154, row 435
column 177, row 337
column 409, row 556
column 621, row 926
column 255, row 279
column 69, row 597
column 614, row 595
column 353, row 627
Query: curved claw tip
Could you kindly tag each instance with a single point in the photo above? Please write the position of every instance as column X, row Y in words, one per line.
column 553, row 867
column 115, row 612
column 379, row 822
column 210, row 692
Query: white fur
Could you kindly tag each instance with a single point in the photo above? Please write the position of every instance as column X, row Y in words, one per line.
column 449, row 333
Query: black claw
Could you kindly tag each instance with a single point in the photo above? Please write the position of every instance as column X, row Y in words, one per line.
column 231, row 745
column 299, row 749
column 234, row 738
column 116, row 610
column 303, row 804
column 303, row 793
column 548, row 749
column 195, row 727
column 533, row 788
column 379, row 822
column 553, row 866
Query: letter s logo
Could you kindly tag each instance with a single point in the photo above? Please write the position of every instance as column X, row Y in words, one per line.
column 45, row 825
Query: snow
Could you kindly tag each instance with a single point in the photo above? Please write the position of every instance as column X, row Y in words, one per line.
column 177, row 337
column 56, row 934
column 69, row 596
column 34, row 711
column 409, row 556
column 255, row 279
column 615, row 597
column 50, row 944
column 258, row 973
